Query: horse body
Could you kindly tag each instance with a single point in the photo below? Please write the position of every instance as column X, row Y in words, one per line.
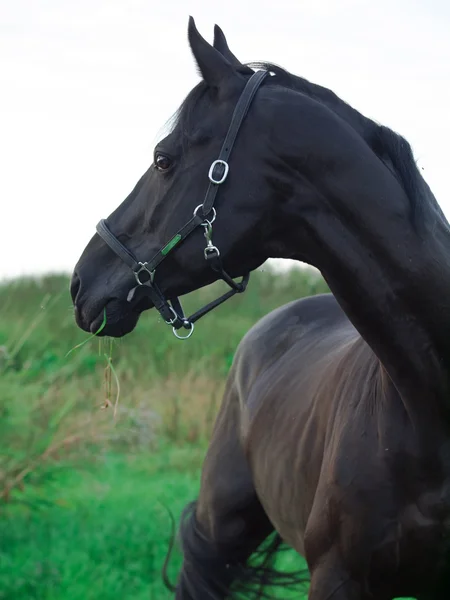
column 334, row 429
column 333, row 457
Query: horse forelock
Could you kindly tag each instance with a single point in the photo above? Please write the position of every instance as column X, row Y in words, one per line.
column 188, row 114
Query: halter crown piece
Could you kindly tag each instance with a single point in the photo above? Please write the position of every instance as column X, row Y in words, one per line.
column 144, row 272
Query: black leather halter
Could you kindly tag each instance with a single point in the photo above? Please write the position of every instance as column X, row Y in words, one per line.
column 144, row 272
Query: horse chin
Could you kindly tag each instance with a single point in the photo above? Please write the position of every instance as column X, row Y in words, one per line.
column 120, row 318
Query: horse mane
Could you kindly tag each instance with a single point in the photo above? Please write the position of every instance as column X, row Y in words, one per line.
column 390, row 147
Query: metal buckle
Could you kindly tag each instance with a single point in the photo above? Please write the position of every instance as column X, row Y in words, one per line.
column 184, row 337
column 175, row 317
column 144, row 268
column 225, row 173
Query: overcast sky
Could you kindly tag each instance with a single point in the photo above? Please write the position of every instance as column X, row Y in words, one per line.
column 86, row 87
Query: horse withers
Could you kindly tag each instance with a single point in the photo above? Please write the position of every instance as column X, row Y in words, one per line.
column 334, row 429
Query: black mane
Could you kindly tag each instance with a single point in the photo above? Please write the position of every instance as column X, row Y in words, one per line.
column 390, row 147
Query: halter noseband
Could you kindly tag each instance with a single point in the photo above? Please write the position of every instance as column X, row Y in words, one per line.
column 144, row 272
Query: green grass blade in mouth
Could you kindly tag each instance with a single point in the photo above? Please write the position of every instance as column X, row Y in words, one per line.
column 102, row 326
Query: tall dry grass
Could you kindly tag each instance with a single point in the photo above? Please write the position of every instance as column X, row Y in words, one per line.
column 52, row 405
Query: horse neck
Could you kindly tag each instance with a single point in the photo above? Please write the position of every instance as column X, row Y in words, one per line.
column 391, row 278
column 397, row 311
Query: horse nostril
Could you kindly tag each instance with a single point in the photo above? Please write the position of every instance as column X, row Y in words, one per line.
column 75, row 285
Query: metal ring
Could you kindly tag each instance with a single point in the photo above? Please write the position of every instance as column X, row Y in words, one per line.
column 207, row 221
column 225, row 173
column 184, row 337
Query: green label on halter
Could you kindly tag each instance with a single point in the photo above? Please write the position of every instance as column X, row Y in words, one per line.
column 173, row 242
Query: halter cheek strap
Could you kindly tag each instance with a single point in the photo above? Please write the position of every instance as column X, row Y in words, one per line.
column 144, row 272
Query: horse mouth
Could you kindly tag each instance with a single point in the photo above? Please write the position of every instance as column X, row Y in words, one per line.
column 116, row 319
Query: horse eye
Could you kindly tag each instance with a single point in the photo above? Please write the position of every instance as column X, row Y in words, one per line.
column 162, row 162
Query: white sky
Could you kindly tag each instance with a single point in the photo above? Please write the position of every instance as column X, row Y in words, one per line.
column 87, row 85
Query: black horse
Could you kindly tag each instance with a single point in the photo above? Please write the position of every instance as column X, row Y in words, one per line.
column 334, row 429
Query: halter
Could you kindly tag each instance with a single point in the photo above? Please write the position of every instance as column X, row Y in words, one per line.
column 144, row 272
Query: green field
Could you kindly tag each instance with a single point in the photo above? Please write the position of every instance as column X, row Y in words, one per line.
column 83, row 494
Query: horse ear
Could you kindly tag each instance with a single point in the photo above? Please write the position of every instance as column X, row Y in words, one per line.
column 220, row 43
column 213, row 66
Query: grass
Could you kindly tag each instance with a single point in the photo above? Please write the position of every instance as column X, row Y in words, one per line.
column 82, row 494
column 110, row 547
column 103, row 534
